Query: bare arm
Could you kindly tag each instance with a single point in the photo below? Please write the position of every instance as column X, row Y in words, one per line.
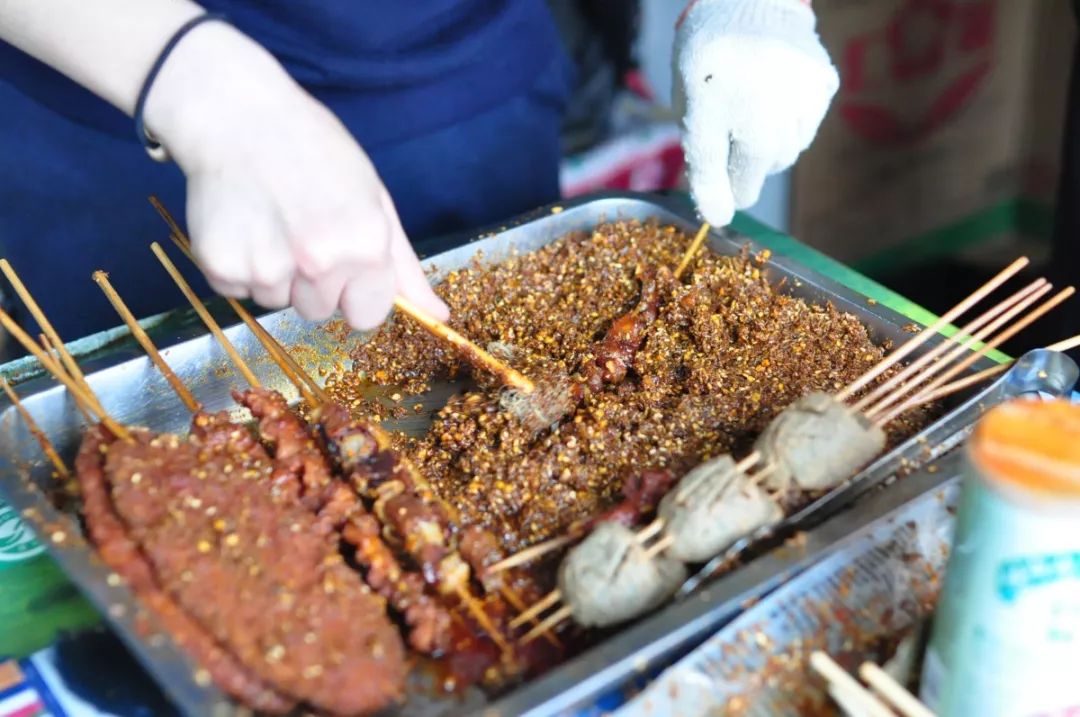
column 105, row 45
column 283, row 205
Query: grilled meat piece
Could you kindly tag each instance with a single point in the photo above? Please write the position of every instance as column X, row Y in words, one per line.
column 123, row 555
column 255, row 569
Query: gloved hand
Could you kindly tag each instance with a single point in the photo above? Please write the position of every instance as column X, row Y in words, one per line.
column 283, row 204
column 752, row 84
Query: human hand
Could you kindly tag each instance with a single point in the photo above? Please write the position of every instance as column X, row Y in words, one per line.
column 283, row 204
column 752, row 85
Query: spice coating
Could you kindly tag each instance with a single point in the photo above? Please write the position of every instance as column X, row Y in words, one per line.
column 725, row 353
column 253, row 567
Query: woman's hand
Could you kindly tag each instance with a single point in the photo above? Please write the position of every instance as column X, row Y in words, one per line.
column 752, row 85
column 283, row 204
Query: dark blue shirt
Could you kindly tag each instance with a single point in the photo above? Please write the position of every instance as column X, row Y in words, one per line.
column 457, row 102
column 407, row 67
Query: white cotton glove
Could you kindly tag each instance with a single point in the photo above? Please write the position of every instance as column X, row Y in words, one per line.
column 752, row 84
column 283, row 204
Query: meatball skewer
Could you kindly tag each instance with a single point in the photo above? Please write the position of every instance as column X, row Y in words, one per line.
column 810, row 425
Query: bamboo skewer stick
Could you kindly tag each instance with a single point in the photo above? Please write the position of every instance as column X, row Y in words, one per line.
column 547, row 625
column 35, row 430
column 55, row 355
column 46, row 326
column 978, row 323
column 650, row 530
column 976, row 378
column 1004, row 336
column 537, row 608
column 185, row 395
column 482, row 618
column 920, row 338
column 309, row 390
column 81, row 393
column 892, row 691
column 692, row 251
column 957, row 351
column 516, row 603
column 659, row 546
column 960, row 384
column 848, row 685
column 473, row 353
column 207, row 319
column 470, row 603
column 529, row 554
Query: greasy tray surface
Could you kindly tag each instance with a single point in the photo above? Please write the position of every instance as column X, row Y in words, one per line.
column 133, row 392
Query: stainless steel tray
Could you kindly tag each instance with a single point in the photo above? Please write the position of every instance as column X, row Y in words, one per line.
column 133, row 392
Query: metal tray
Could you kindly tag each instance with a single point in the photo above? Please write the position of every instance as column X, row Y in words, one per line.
column 133, row 392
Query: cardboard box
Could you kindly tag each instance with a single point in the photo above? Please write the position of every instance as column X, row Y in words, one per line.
column 946, row 131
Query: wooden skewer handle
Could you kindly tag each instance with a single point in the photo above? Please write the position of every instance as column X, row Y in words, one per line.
column 204, row 314
column 473, row 353
column 189, row 400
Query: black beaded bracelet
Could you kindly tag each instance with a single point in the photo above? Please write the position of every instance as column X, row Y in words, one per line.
column 152, row 146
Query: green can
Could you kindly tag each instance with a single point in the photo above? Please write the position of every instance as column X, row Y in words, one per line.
column 36, row 600
column 1006, row 634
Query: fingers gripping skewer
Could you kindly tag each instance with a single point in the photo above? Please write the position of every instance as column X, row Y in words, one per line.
column 944, row 346
column 35, row 430
column 959, row 350
column 102, row 280
column 923, row 336
column 288, row 365
column 201, row 310
column 80, row 392
column 691, row 252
